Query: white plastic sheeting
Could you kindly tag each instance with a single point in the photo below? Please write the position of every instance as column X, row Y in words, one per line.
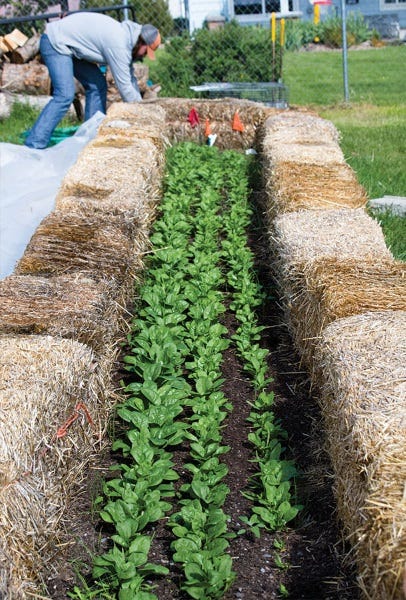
column 29, row 182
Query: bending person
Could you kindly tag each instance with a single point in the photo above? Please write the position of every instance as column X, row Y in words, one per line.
column 74, row 47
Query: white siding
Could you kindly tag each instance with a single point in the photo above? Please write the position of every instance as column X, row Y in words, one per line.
column 198, row 10
column 176, row 8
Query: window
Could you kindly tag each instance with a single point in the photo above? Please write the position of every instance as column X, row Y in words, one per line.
column 247, row 7
column 263, row 8
column 393, row 4
column 272, row 6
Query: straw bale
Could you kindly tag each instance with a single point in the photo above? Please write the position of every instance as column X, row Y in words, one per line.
column 293, row 127
column 125, row 124
column 220, row 113
column 301, row 237
column 363, row 400
column 71, row 306
column 133, row 207
column 313, row 153
column 101, row 170
column 42, row 380
column 330, row 288
column 102, row 247
column 138, row 114
column 300, row 138
column 219, row 109
column 294, row 186
column 120, row 179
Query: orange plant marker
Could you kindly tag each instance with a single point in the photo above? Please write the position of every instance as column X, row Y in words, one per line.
column 237, row 124
column 207, row 130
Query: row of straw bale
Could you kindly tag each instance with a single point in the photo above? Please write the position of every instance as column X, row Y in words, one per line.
column 344, row 297
column 219, row 114
column 63, row 312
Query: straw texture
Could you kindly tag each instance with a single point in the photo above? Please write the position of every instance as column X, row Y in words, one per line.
column 329, row 289
column 117, row 176
column 101, row 247
column 133, row 122
column 220, row 114
column 71, row 306
column 42, row 380
column 363, row 362
column 302, row 139
column 294, row 186
column 120, row 171
column 303, row 236
column 296, row 127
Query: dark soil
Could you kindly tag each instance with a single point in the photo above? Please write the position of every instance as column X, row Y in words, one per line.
column 312, row 562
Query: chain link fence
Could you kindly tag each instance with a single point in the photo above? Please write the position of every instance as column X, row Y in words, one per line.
column 219, row 51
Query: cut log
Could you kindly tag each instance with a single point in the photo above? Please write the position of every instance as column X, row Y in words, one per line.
column 15, row 39
column 151, row 92
column 27, row 52
column 3, row 46
column 141, row 72
column 30, row 78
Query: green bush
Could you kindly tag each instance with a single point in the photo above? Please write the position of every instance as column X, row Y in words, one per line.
column 330, row 31
column 299, row 33
column 174, row 68
column 229, row 54
column 155, row 12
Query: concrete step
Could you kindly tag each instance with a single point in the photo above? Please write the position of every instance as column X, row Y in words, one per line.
column 396, row 204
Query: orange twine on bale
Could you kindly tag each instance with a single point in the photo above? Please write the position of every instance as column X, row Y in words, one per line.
column 63, row 430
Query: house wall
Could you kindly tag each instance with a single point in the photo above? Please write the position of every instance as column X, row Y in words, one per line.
column 389, row 20
column 197, row 11
column 386, row 18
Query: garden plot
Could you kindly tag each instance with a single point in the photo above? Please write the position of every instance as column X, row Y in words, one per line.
column 212, row 538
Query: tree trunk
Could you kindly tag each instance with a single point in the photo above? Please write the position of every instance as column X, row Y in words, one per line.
column 26, row 52
column 30, row 78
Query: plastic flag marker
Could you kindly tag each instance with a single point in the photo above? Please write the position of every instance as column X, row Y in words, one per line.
column 237, row 124
column 193, row 117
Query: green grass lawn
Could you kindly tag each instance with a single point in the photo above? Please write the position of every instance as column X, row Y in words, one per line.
column 373, row 124
column 375, row 76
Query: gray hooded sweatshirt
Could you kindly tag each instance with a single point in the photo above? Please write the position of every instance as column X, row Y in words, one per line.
column 100, row 39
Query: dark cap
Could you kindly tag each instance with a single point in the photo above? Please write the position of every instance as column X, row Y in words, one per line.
column 152, row 38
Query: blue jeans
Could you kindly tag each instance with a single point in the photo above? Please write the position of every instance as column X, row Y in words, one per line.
column 62, row 71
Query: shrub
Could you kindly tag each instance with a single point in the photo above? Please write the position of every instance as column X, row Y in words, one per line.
column 299, row 34
column 330, row 31
column 174, row 68
column 232, row 53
